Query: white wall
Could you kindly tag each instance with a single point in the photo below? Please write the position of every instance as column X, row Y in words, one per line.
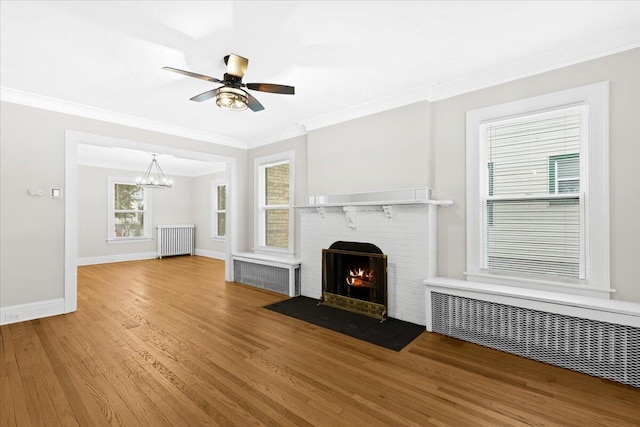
column 31, row 228
column 424, row 145
column 418, row 145
column 188, row 202
column 449, row 118
column 167, row 207
column 384, row 151
column 32, row 149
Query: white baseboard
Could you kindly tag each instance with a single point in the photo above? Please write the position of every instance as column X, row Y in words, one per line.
column 31, row 311
column 211, row 254
column 106, row 259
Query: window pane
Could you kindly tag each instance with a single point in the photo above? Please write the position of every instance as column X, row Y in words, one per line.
column 129, row 224
column 564, row 173
column 521, row 153
column 534, row 236
column 532, row 156
column 277, row 185
column 569, row 186
column 222, row 197
column 277, row 228
column 128, row 197
column 568, row 167
column 222, row 227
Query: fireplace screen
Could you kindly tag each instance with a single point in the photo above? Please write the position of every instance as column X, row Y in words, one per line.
column 354, row 277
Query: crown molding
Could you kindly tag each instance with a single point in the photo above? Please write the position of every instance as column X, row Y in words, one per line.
column 620, row 41
column 266, row 139
column 53, row 104
column 401, row 99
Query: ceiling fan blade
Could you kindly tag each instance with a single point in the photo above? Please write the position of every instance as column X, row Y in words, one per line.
column 204, row 95
column 236, row 65
column 273, row 88
column 253, row 104
column 190, row 74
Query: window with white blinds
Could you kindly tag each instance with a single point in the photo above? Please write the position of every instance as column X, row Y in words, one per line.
column 532, row 199
column 537, row 201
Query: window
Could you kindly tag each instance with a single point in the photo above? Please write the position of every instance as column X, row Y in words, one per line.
column 274, row 185
column 218, row 210
column 564, row 173
column 525, row 230
column 129, row 217
column 537, row 192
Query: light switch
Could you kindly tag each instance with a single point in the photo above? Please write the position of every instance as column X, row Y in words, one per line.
column 36, row 192
column 56, row 193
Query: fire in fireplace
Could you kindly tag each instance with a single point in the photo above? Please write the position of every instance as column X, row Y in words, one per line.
column 354, row 278
column 360, row 278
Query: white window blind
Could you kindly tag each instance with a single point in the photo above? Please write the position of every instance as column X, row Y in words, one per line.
column 533, row 202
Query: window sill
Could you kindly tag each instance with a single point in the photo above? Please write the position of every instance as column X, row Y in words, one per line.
column 540, row 284
column 273, row 251
column 279, row 259
column 468, row 288
column 218, row 239
column 129, row 240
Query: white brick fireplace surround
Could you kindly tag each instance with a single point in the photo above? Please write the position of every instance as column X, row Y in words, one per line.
column 403, row 228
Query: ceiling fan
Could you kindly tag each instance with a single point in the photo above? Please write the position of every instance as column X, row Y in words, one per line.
column 231, row 94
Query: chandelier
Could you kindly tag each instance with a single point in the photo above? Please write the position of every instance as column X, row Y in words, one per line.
column 154, row 177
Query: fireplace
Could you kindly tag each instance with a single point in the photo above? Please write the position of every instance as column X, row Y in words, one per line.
column 354, row 278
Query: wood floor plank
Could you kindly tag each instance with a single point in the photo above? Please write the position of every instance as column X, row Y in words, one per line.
column 556, row 385
column 84, row 407
column 169, row 342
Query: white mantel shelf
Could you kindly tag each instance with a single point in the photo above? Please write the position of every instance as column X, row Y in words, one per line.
column 384, row 198
column 354, row 203
column 378, row 203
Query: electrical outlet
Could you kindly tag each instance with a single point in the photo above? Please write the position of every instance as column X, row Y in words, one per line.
column 10, row 318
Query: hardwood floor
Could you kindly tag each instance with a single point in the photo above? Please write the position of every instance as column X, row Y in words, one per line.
column 169, row 343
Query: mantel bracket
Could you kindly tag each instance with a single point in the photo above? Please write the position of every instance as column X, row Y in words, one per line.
column 351, row 213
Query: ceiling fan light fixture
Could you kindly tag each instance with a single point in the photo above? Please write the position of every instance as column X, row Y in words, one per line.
column 231, row 96
column 231, row 99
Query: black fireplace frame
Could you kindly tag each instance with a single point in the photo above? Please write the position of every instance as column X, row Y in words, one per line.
column 368, row 308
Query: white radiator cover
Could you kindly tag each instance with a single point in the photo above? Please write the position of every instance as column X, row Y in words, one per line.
column 176, row 240
column 593, row 336
column 277, row 273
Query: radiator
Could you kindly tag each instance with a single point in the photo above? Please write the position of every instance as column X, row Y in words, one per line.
column 595, row 347
column 277, row 274
column 176, row 240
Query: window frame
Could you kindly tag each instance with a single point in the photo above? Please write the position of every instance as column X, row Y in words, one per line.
column 594, row 166
column 215, row 184
column 260, row 165
column 554, row 181
column 111, row 211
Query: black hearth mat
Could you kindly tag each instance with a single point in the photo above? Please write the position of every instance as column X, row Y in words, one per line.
column 393, row 334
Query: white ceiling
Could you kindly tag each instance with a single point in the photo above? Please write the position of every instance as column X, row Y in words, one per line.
column 345, row 59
